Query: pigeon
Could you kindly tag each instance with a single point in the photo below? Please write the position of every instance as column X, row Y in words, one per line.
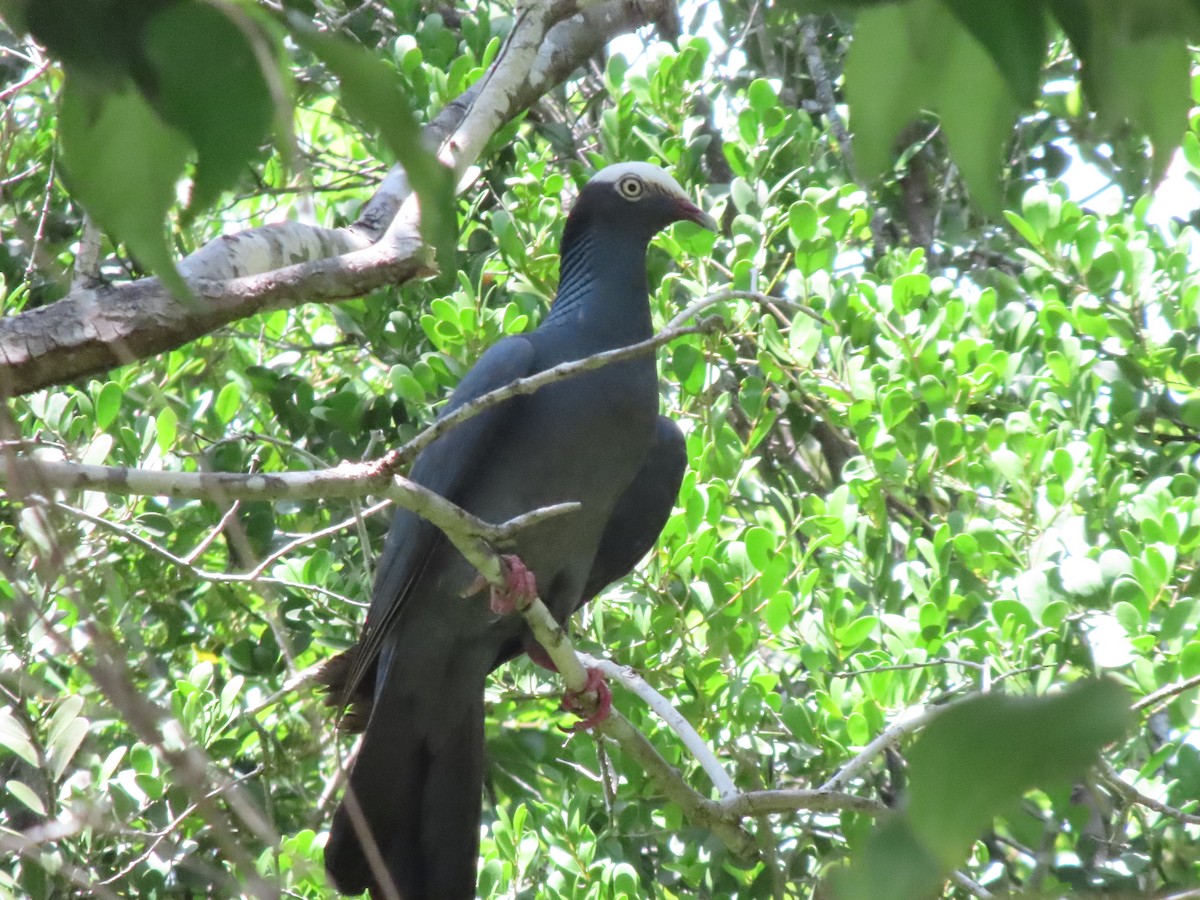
column 631, row 532
column 408, row 823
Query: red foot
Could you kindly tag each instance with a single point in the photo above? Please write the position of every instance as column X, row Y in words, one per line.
column 520, row 587
column 573, row 701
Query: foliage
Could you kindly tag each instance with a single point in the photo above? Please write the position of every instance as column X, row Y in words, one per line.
column 946, row 454
column 976, row 64
column 191, row 77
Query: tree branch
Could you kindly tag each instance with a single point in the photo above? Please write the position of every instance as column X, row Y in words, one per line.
column 94, row 329
column 673, row 717
column 666, row 777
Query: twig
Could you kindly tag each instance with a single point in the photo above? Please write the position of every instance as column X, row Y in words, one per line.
column 1166, row 692
column 163, row 834
column 196, row 571
column 907, row 722
column 213, row 533
column 974, row 888
column 757, row 803
column 1132, row 795
column 469, row 534
column 528, row 385
column 304, row 539
column 16, row 87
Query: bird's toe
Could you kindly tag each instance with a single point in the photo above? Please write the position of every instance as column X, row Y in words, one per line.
column 593, row 703
column 520, row 587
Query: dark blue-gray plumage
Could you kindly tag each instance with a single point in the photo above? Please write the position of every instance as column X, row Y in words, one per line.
column 410, row 816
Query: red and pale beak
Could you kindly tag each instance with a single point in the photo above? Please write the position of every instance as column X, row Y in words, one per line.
column 692, row 213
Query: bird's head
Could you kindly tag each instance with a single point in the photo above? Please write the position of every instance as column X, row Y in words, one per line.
column 639, row 196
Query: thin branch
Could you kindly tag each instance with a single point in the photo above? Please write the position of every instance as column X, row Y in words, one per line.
column 469, row 534
column 163, row 834
column 908, row 721
column 1167, row 692
column 1130, row 794
column 974, row 888
column 669, row 714
column 666, row 778
column 757, row 803
column 305, row 539
column 528, row 385
column 194, row 570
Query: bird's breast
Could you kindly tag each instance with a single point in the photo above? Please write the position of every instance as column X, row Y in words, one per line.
column 580, row 440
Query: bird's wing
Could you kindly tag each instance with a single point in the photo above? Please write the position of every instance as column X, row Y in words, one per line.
column 641, row 512
column 445, row 466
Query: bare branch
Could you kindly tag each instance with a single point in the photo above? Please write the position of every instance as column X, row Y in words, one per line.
column 757, row 803
column 701, row 811
column 908, row 721
column 1166, row 692
column 669, row 714
column 1130, row 794
column 522, row 386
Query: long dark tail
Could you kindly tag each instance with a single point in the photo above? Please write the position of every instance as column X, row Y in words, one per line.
column 408, row 826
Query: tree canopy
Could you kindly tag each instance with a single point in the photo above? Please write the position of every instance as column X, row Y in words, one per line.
column 929, row 598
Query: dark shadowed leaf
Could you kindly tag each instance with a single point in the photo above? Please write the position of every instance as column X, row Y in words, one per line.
column 1014, row 36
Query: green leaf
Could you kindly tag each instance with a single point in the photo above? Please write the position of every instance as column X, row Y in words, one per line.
column 228, row 402
column 373, row 91
column 26, row 795
column 761, row 95
column 802, row 221
column 122, row 163
column 166, row 427
column 65, row 745
column 978, row 759
column 209, row 83
column 108, row 404
column 933, row 64
column 974, row 762
column 14, row 737
column 1014, row 35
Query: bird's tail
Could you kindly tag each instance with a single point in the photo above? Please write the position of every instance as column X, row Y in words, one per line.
column 408, row 825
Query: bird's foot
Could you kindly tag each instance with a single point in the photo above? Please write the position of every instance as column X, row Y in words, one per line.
column 520, row 587
column 578, row 702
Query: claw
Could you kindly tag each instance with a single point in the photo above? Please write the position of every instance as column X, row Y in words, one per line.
column 520, row 587
column 574, row 701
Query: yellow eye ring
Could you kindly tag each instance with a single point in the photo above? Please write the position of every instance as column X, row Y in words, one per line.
column 631, row 187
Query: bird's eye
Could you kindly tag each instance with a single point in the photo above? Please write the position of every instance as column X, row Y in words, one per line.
column 631, row 187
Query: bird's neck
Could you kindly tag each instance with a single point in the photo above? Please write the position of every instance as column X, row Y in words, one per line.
column 602, row 285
